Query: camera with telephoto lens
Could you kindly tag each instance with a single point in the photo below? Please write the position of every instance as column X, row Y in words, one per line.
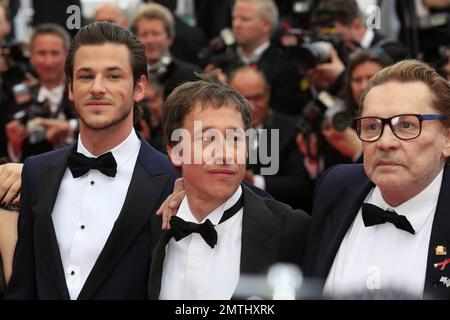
column 323, row 111
column 308, row 49
column 29, row 111
column 220, row 51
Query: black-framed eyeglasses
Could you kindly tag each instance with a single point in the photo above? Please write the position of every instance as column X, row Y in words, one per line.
column 403, row 126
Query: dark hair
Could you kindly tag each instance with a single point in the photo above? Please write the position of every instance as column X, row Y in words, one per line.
column 342, row 11
column 99, row 33
column 357, row 58
column 415, row 71
column 51, row 28
column 208, row 92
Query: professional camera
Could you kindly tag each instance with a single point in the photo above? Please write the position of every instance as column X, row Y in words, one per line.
column 308, row 48
column 16, row 62
column 323, row 111
column 29, row 111
column 219, row 51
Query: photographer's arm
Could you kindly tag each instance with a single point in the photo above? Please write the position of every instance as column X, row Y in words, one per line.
column 324, row 75
column 346, row 142
column 16, row 134
column 55, row 128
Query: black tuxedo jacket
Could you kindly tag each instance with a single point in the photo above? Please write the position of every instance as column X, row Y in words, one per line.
column 339, row 195
column 291, row 184
column 271, row 232
column 178, row 72
column 121, row 270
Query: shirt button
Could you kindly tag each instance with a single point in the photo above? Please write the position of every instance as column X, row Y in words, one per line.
column 92, row 183
column 82, row 227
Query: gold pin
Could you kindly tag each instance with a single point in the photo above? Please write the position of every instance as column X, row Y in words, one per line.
column 441, row 251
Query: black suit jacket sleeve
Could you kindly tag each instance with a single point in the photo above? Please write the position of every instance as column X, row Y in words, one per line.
column 22, row 284
column 294, row 236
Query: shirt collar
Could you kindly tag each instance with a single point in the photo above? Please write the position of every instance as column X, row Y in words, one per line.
column 185, row 213
column 367, row 39
column 122, row 152
column 256, row 55
column 54, row 95
column 417, row 209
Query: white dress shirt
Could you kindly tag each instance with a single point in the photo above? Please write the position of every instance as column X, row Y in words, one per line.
column 256, row 55
column 192, row 270
column 86, row 209
column 382, row 257
column 54, row 97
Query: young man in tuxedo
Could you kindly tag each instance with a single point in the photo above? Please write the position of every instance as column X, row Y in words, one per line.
column 382, row 229
column 222, row 228
column 84, row 226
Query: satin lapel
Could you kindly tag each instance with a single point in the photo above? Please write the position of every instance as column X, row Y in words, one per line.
column 46, row 244
column 261, row 235
column 336, row 226
column 437, row 279
column 140, row 202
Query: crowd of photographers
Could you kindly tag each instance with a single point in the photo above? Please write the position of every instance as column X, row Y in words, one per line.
column 301, row 64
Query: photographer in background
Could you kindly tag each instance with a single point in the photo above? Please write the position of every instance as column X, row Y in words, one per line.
column 42, row 118
column 325, row 136
column 13, row 69
column 154, row 26
column 349, row 23
column 253, row 22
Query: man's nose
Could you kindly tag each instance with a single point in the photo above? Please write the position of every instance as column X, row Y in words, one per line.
column 388, row 140
column 98, row 87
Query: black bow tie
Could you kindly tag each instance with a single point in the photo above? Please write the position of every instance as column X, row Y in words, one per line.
column 79, row 164
column 373, row 215
column 180, row 229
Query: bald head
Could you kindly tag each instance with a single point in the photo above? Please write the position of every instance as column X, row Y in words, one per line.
column 252, row 84
column 112, row 13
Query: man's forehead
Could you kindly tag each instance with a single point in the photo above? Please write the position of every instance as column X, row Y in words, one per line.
column 117, row 54
column 391, row 96
column 206, row 111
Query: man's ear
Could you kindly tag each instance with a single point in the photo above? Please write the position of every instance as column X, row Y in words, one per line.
column 139, row 88
column 175, row 157
column 267, row 25
column 446, row 149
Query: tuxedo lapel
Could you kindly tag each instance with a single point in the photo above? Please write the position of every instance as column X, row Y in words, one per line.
column 140, row 203
column 156, row 269
column 338, row 223
column 437, row 279
column 46, row 244
column 261, row 235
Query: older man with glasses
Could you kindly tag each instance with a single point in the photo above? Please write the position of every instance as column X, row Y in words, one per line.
column 382, row 229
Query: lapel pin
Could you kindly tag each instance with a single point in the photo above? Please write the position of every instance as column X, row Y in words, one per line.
column 441, row 251
column 446, row 281
column 442, row 264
